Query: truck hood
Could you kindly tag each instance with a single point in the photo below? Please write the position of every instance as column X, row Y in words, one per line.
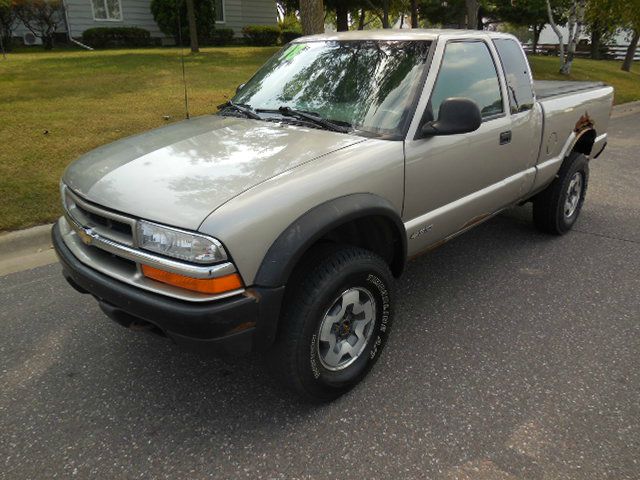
column 179, row 174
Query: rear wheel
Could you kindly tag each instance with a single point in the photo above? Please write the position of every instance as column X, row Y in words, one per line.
column 335, row 323
column 556, row 208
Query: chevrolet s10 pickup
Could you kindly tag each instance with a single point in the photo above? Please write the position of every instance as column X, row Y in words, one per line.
column 280, row 223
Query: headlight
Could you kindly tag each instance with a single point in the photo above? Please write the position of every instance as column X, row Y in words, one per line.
column 172, row 242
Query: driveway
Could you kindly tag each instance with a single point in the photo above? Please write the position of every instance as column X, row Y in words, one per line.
column 514, row 355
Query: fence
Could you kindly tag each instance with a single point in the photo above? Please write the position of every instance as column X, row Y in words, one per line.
column 613, row 52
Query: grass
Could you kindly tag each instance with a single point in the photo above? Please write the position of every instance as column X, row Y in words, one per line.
column 626, row 84
column 54, row 106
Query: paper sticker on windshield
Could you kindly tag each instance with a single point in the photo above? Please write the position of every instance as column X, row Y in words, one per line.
column 294, row 50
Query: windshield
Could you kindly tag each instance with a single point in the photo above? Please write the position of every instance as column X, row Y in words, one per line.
column 368, row 85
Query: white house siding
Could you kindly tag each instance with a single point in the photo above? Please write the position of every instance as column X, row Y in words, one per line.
column 239, row 13
column 135, row 13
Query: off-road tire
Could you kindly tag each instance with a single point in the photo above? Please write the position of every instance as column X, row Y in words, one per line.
column 549, row 206
column 295, row 359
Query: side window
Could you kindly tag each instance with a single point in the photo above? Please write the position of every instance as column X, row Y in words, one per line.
column 516, row 71
column 219, row 9
column 468, row 71
column 106, row 10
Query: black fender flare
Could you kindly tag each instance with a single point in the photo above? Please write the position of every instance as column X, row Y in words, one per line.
column 295, row 240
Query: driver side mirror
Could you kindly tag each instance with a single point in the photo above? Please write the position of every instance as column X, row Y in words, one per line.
column 456, row 115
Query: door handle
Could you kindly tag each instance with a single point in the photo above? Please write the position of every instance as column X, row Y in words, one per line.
column 505, row 137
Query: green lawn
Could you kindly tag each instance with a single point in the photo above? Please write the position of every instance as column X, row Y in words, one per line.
column 57, row 105
column 627, row 85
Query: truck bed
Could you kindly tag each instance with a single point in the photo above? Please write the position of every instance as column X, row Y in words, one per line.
column 552, row 88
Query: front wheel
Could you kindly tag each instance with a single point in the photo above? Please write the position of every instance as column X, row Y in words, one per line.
column 556, row 208
column 335, row 322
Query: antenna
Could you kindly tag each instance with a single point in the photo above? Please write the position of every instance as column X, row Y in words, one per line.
column 184, row 76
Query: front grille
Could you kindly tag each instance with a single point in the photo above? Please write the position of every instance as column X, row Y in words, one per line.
column 106, row 241
column 107, row 224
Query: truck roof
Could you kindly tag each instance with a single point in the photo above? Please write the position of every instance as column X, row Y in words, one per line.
column 401, row 34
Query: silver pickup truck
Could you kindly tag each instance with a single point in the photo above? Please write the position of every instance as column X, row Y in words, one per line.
column 280, row 223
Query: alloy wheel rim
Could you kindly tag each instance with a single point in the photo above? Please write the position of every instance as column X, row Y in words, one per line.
column 574, row 192
column 346, row 328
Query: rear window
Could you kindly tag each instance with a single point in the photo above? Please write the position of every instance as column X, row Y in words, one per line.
column 516, row 71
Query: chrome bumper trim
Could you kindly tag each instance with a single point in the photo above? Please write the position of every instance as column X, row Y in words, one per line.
column 114, row 267
column 90, row 237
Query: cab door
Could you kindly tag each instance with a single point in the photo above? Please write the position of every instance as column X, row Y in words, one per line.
column 453, row 182
column 525, row 113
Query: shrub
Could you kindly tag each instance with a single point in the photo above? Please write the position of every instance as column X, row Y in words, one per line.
column 290, row 34
column 261, row 35
column 41, row 17
column 166, row 13
column 101, row 37
column 222, row 36
column 7, row 21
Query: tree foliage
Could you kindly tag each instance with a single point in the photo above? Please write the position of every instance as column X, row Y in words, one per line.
column 7, row 21
column 41, row 17
column 171, row 17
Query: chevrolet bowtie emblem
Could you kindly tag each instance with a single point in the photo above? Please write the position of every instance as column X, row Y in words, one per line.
column 85, row 236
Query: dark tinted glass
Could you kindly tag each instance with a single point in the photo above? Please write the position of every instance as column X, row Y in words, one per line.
column 516, row 71
column 468, row 71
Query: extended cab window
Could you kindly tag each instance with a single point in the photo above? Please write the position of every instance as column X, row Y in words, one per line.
column 516, row 71
column 468, row 71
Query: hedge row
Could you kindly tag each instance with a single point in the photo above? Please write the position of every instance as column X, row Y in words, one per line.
column 266, row 35
column 260, row 35
column 102, row 37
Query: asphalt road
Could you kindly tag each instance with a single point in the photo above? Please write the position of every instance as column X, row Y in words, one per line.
column 514, row 356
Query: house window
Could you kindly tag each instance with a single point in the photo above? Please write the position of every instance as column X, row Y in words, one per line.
column 109, row 10
column 219, row 11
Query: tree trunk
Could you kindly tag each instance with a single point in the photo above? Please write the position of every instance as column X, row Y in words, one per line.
column 414, row 13
column 193, row 30
column 596, row 36
column 312, row 16
column 631, row 51
column 576, row 18
column 537, row 29
column 472, row 14
column 362, row 18
column 342, row 17
column 385, row 14
column 47, row 42
column 557, row 32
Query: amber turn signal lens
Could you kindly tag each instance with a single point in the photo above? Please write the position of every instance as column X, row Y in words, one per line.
column 202, row 285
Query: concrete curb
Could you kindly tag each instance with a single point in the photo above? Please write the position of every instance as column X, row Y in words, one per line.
column 625, row 109
column 22, row 241
column 26, row 249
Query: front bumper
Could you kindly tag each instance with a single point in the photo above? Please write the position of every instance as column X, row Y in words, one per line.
column 234, row 325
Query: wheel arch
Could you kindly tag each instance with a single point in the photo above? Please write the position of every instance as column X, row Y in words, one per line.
column 363, row 219
column 584, row 142
column 585, row 135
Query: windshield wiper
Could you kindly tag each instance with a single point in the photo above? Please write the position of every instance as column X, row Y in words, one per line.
column 244, row 109
column 316, row 119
